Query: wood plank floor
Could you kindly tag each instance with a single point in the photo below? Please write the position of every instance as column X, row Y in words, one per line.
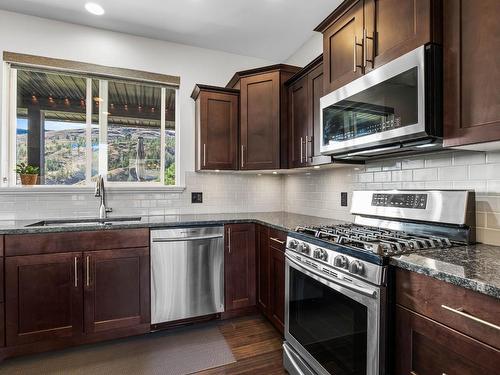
column 255, row 344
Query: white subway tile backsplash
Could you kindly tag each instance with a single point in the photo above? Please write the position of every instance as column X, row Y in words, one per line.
column 382, row 177
column 429, row 174
column 453, row 173
column 438, row 160
column 469, row 158
column 412, row 163
column 405, row 175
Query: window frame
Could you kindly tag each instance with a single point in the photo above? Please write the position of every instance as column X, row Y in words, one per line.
column 8, row 157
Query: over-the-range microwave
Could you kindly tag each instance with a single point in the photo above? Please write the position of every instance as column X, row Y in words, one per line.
column 394, row 109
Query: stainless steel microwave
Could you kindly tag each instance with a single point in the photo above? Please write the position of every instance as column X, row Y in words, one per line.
column 393, row 109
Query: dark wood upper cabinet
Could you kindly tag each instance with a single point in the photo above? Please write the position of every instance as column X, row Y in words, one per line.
column 300, row 119
column 260, row 122
column 217, row 123
column 263, row 116
column 240, row 268
column 395, row 27
column 361, row 35
column 116, row 284
column 44, row 297
column 425, row 347
column 305, row 89
column 342, row 48
column 471, row 45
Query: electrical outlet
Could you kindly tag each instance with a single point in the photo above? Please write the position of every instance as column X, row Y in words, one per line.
column 343, row 199
column 196, row 197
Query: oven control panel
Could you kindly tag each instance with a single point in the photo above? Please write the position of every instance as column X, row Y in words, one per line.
column 416, row 201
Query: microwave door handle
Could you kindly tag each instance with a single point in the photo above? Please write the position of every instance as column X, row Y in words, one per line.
column 365, row 291
column 374, row 151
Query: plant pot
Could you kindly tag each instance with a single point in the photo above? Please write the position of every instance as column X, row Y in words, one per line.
column 28, row 179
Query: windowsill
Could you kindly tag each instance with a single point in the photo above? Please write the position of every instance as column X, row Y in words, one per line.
column 115, row 189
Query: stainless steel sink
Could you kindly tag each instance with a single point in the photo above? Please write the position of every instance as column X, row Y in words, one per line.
column 82, row 222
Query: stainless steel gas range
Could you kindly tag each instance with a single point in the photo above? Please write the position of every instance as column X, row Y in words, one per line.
column 337, row 314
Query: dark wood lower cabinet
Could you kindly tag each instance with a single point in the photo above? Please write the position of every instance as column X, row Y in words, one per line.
column 58, row 299
column 277, row 305
column 240, row 270
column 263, row 275
column 44, row 297
column 425, row 347
column 117, row 289
column 271, row 275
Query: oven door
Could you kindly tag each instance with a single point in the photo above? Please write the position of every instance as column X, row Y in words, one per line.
column 385, row 106
column 333, row 326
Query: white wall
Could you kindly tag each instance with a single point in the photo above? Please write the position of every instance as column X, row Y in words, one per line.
column 39, row 36
column 308, row 51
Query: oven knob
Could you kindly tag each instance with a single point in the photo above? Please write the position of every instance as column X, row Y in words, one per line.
column 341, row 261
column 320, row 254
column 293, row 244
column 356, row 267
column 303, row 248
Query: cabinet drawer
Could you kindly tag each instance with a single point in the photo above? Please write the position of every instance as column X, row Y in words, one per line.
column 461, row 309
column 45, row 243
column 277, row 239
column 426, row 347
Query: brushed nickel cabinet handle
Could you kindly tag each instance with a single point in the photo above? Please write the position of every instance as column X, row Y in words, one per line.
column 242, row 156
column 355, row 55
column 76, row 271
column 310, row 153
column 277, row 240
column 365, row 49
column 204, row 154
column 229, row 240
column 87, row 270
column 460, row 311
column 301, row 150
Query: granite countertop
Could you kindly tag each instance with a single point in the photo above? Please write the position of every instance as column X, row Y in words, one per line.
column 474, row 267
column 279, row 220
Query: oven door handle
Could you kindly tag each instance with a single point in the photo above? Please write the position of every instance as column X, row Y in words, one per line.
column 366, row 291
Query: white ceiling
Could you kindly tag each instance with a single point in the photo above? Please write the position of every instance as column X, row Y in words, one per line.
column 269, row 29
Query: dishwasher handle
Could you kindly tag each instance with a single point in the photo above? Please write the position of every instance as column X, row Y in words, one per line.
column 182, row 239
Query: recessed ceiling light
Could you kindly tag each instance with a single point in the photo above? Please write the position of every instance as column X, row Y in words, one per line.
column 275, row 172
column 94, row 8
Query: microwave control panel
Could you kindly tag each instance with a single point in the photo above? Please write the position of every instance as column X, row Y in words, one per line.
column 416, row 201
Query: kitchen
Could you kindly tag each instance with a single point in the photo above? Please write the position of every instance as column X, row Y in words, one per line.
column 233, row 192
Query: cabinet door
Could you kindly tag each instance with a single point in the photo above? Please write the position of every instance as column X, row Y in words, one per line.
column 218, row 131
column 316, row 91
column 471, row 41
column 342, row 49
column 393, row 28
column 425, row 347
column 263, row 275
column 260, row 121
column 239, row 263
column 116, row 284
column 300, row 117
column 44, row 297
column 277, row 287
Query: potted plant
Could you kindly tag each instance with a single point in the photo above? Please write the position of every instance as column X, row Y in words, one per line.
column 28, row 173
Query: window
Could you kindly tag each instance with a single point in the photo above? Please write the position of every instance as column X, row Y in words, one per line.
column 77, row 126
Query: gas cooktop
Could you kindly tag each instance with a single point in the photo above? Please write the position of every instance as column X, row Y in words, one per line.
column 380, row 241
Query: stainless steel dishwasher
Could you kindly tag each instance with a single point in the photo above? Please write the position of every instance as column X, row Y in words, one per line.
column 187, row 273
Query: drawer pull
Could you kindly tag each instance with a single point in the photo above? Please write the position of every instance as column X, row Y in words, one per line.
column 276, row 240
column 460, row 312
